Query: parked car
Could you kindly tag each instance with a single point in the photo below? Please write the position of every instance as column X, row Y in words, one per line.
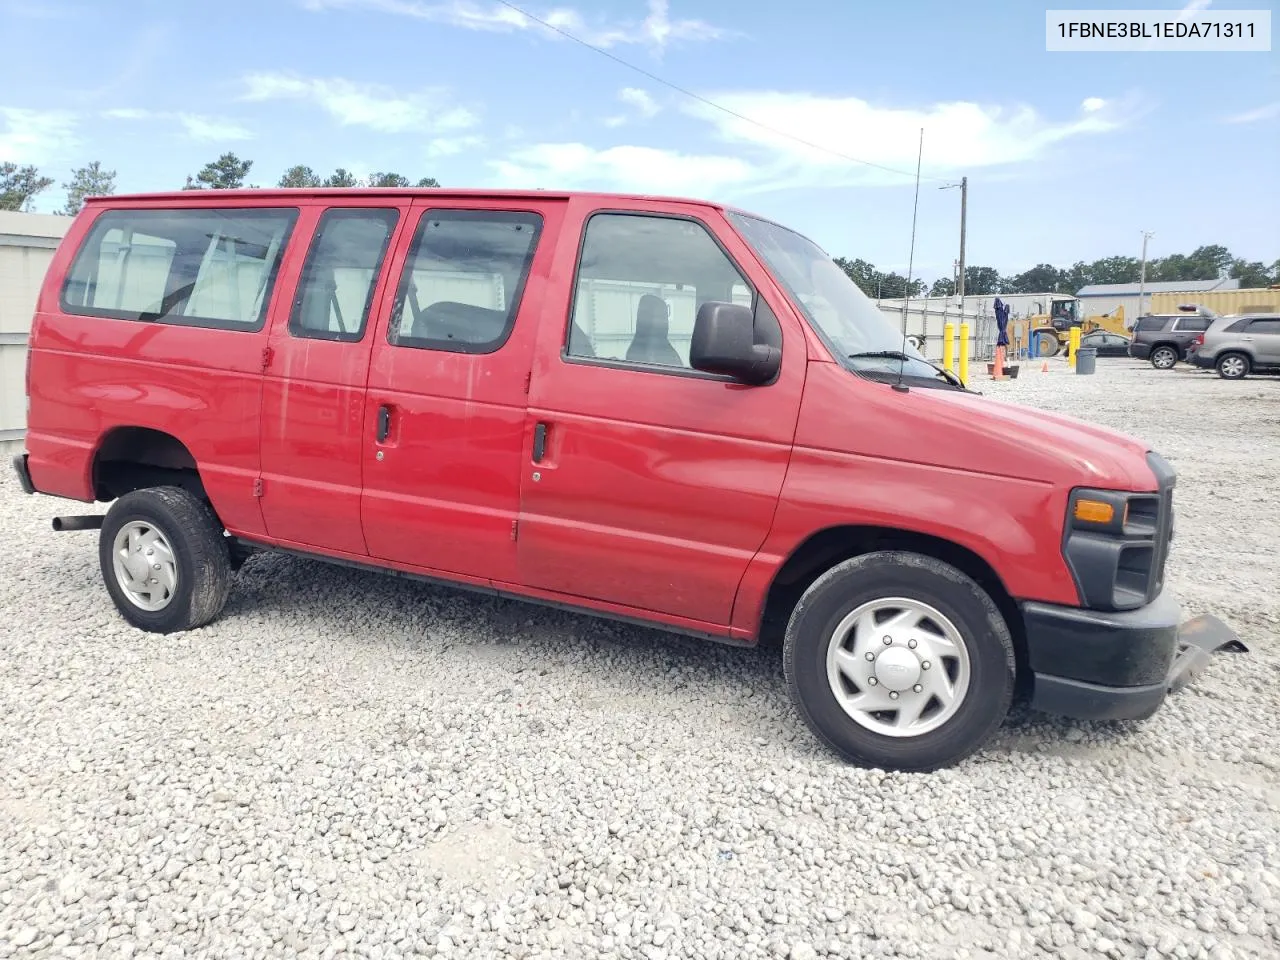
column 1107, row 344
column 1238, row 345
column 1163, row 338
column 664, row 411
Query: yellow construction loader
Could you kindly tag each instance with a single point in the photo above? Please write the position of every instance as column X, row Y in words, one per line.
column 1051, row 332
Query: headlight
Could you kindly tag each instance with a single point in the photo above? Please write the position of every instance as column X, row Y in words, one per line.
column 1116, row 544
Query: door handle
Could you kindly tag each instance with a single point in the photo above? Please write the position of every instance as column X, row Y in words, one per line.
column 384, row 422
column 1247, row 338
column 539, row 442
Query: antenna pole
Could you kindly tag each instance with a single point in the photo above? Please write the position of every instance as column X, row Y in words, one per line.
column 911, row 261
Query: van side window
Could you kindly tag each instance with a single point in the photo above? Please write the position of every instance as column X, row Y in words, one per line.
column 341, row 271
column 1271, row 327
column 463, row 279
column 640, row 282
column 1193, row 324
column 1147, row 324
column 207, row 267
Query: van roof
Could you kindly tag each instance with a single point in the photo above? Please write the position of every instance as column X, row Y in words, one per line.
column 259, row 193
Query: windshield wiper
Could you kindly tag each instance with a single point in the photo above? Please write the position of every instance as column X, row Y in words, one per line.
column 899, row 355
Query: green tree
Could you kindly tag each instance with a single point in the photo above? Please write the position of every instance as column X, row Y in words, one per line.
column 1115, row 270
column 981, row 280
column 944, row 287
column 300, row 176
column 225, row 173
column 1255, row 273
column 341, row 178
column 20, row 185
column 1042, row 278
column 387, row 180
column 428, row 182
column 89, row 181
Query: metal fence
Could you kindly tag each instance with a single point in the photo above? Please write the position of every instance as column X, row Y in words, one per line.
column 926, row 318
column 27, row 244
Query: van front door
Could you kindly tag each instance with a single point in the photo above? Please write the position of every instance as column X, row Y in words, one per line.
column 645, row 483
column 445, row 405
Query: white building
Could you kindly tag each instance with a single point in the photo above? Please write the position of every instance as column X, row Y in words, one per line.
column 27, row 245
column 1100, row 298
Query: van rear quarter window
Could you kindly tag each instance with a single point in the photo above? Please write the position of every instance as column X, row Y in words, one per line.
column 204, row 267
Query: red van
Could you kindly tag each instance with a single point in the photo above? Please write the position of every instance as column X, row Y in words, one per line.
column 666, row 411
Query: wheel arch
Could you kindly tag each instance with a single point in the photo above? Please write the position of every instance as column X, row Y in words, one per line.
column 129, row 458
column 825, row 548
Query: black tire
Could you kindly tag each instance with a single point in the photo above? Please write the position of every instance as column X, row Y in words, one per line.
column 200, row 555
column 1047, row 345
column 1164, row 357
column 914, row 577
column 1233, row 366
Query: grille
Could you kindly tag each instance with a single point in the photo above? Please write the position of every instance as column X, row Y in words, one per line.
column 1166, row 479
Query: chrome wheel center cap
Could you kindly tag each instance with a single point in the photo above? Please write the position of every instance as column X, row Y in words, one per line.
column 897, row 668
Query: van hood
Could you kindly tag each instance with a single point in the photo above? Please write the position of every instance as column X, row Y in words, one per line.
column 1040, row 445
column 965, row 432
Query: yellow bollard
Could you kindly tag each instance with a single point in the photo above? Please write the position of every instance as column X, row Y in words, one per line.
column 963, row 372
column 1074, row 345
column 949, row 346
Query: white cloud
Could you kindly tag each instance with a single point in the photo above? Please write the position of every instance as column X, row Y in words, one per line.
column 128, row 113
column 36, row 136
column 644, row 104
column 656, row 30
column 639, row 100
column 449, row 146
column 364, row 104
column 196, row 126
column 959, row 136
column 210, row 128
column 569, row 166
column 1268, row 112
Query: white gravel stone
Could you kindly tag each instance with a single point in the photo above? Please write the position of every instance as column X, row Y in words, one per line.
column 345, row 762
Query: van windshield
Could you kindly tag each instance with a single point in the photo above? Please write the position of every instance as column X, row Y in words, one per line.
column 850, row 323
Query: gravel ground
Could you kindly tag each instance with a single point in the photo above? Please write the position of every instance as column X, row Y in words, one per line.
column 347, row 764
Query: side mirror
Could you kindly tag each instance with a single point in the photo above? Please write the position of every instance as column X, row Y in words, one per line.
column 724, row 342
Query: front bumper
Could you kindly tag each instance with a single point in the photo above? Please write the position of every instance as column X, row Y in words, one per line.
column 1096, row 665
column 24, row 475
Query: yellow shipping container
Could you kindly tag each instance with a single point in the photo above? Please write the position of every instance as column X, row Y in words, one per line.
column 1252, row 300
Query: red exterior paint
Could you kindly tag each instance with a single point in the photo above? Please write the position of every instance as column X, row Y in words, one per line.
column 668, row 498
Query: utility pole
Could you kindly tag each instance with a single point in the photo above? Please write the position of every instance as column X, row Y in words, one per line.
column 964, row 211
column 1142, row 273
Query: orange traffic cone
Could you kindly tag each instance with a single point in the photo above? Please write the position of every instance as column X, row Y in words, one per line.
column 1044, row 367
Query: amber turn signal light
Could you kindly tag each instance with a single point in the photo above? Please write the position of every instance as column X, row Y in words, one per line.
column 1094, row 511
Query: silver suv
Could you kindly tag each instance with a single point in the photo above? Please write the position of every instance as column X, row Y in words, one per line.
column 1238, row 345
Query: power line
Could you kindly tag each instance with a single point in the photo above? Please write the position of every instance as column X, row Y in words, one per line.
column 710, row 103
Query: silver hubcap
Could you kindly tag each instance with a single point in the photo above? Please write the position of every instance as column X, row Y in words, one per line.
column 1233, row 366
column 898, row 667
column 1164, row 358
column 144, row 565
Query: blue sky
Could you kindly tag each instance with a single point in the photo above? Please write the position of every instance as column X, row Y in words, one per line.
column 1069, row 156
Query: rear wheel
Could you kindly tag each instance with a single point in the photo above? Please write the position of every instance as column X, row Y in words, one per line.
column 164, row 560
column 1164, row 358
column 899, row 661
column 1233, row 366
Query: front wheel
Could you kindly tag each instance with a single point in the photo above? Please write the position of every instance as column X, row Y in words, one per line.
column 899, row 661
column 164, row 560
column 1233, row 366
